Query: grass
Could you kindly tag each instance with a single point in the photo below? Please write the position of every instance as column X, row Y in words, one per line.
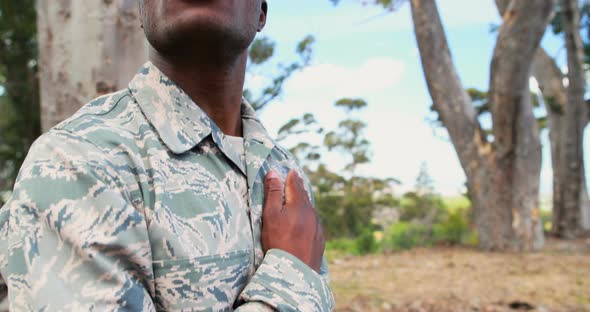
column 464, row 279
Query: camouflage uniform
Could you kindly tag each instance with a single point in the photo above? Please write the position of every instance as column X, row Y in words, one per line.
column 140, row 202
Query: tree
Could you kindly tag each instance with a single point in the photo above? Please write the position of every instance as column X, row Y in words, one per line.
column 260, row 53
column 424, row 182
column 87, row 48
column 568, row 115
column 349, row 138
column 502, row 173
column 345, row 201
column 503, row 168
column 422, row 204
column 19, row 99
column 571, row 222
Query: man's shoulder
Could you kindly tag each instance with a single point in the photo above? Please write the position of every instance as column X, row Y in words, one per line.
column 100, row 112
column 107, row 122
column 94, row 129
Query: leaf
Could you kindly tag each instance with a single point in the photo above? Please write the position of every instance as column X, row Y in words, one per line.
column 289, row 125
column 261, row 50
column 351, row 104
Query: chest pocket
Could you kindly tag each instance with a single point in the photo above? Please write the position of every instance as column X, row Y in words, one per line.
column 201, row 237
column 208, row 283
column 200, row 211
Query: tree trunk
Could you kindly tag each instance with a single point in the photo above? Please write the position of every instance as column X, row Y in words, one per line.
column 503, row 175
column 550, row 79
column 570, row 222
column 87, row 48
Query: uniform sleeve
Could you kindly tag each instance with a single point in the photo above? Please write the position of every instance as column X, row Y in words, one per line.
column 75, row 241
column 285, row 283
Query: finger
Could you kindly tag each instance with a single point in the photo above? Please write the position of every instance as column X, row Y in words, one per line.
column 304, row 195
column 273, row 193
column 292, row 188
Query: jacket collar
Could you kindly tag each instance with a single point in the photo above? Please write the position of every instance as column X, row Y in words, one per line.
column 182, row 125
column 179, row 121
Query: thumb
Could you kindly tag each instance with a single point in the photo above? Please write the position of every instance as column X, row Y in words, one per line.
column 273, row 193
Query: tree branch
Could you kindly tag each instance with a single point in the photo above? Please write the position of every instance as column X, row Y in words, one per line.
column 451, row 100
column 550, row 79
column 519, row 37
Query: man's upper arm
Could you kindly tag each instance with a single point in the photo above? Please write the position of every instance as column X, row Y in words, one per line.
column 75, row 241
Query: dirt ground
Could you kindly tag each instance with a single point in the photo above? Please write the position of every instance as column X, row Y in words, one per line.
column 462, row 279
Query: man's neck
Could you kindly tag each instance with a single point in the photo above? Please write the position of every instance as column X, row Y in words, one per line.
column 216, row 88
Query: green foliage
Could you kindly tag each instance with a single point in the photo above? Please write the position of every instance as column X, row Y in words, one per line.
column 422, row 204
column 453, row 227
column 557, row 26
column 346, row 245
column 351, row 104
column 480, row 100
column 19, row 96
column 296, row 126
column 261, row 50
column 427, row 207
column 260, row 54
column 366, row 243
column 454, row 230
column 345, row 203
column 456, row 203
column 349, row 139
column 407, row 235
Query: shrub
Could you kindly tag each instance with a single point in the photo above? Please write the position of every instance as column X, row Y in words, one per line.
column 406, row 235
column 426, row 207
column 345, row 245
column 454, row 230
column 366, row 243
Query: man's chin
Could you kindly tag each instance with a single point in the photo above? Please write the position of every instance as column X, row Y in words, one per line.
column 201, row 35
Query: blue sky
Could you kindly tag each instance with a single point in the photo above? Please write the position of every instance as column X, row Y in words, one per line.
column 361, row 51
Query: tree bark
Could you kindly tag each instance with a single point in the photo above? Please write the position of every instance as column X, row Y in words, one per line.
column 570, row 224
column 550, row 79
column 87, row 48
column 503, row 175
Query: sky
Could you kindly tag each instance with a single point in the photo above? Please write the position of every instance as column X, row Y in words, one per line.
column 362, row 51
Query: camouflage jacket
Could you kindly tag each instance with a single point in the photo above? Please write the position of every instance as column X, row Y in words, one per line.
column 139, row 202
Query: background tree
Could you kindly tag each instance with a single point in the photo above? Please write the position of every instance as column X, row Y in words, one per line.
column 19, row 99
column 349, row 137
column 345, row 200
column 502, row 169
column 422, row 204
column 87, row 48
column 567, row 115
column 503, row 173
column 555, row 99
column 261, row 52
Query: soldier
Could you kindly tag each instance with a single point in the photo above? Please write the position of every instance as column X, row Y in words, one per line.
column 168, row 195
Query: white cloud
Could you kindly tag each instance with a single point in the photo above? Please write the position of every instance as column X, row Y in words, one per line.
column 350, row 17
column 374, row 75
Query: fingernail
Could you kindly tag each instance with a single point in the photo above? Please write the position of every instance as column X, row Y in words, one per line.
column 272, row 175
